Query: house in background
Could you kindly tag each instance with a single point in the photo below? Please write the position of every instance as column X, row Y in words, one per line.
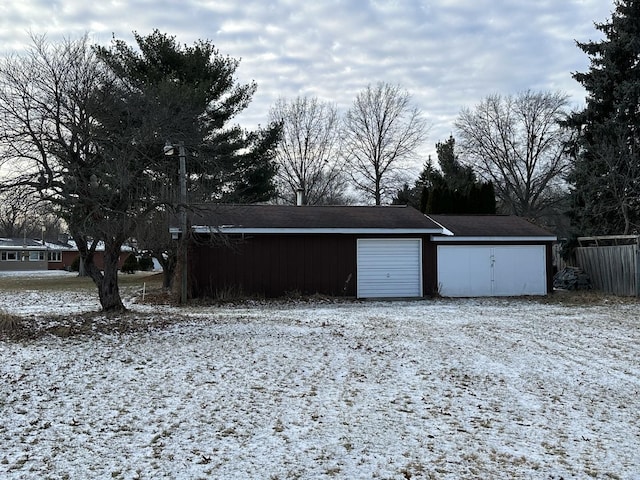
column 361, row 251
column 26, row 254
column 22, row 254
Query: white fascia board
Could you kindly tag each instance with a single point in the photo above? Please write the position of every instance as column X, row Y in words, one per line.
column 374, row 231
column 445, row 230
column 454, row 239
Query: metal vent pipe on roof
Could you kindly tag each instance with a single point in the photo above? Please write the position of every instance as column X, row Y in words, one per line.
column 299, row 197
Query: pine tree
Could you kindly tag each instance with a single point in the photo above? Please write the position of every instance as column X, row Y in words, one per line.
column 457, row 176
column 453, row 189
column 456, row 189
column 605, row 174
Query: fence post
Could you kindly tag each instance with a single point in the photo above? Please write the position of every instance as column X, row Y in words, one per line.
column 636, row 252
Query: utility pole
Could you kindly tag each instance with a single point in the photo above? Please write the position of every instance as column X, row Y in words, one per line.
column 169, row 149
column 183, row 221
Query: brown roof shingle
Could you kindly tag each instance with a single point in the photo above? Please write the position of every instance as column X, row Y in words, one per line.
column 310, row 217
column 490, row 226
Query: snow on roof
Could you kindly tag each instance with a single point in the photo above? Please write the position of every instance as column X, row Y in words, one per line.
column 35, row 244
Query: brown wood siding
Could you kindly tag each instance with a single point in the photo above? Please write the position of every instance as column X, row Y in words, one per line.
column 550, row 271
column 277, row 265
column 429, row 268
column 67, row 259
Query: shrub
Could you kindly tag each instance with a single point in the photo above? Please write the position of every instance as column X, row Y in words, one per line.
column 145, row 263
column 229, row 293
column 75, row 265
column 130, row 265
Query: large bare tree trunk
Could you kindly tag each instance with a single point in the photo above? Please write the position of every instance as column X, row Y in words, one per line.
column 168, row 265
column 108, row 289
column 105, row 280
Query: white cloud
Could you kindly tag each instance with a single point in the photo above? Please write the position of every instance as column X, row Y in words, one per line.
column 448, row 53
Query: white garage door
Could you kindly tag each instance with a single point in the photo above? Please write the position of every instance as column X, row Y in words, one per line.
column 389, row 268
column 483, row 270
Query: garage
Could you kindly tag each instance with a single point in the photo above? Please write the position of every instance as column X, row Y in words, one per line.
column 389, row 268
column 363, row 252
column 491, row 270
column 291, row 250
column 492, row 255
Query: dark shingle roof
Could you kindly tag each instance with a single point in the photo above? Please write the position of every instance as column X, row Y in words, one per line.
column 289, row 217
column 490, row 226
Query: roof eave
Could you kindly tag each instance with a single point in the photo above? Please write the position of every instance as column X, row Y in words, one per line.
column 293, row 231
column 497, row 238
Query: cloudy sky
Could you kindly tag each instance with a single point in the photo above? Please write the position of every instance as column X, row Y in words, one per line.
column 448, row 54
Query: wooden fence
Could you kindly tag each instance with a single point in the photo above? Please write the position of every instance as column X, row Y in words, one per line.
column 612, row 268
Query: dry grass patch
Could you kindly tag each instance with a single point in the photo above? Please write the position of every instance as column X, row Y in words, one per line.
column 586, row 298
column 8, row 322
column 72, row 282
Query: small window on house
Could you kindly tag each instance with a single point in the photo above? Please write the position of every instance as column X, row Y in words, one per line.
column 36, row 256
column 9, row 256
column 55, row 256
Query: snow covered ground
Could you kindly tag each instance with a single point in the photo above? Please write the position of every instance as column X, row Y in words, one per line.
column 444, row 389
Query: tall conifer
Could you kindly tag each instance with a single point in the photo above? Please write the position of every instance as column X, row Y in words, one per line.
column 605, row 174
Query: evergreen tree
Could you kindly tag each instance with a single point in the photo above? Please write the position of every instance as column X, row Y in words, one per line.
column 487, row 200
column 455, row 175
column 407, row 196
column 187, row 93
column 452, row 189
column 605, row 176
column 457, row 188
column 417, row 195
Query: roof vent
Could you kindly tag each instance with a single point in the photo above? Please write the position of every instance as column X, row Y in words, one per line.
column 299, row 197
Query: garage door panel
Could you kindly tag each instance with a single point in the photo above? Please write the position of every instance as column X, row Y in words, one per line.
column 464, row 271
column 389, row 268
column 491, row 270
column 520, row 270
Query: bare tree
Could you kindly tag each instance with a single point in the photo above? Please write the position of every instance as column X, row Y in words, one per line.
column 51, row 102
column 517, row 143
column 382, row 132
column 154, row 239
column 308, row 152
column 24, row 213
column 17, row 211
column 85, row 127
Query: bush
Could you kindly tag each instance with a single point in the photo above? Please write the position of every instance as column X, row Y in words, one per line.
column 145, row 263
column 8, row 322
column 130, row 265
column 75, row 265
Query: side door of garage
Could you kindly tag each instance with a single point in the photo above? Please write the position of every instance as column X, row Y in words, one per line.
column 389, row 267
